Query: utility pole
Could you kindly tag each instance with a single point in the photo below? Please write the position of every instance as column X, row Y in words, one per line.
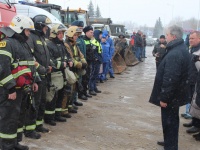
column 198, row 17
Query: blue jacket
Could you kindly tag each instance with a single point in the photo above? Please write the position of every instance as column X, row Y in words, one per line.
column 81, row 44
column 106, row 51
column 112, row 48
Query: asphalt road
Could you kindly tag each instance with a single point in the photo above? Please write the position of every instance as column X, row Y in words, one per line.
column 120, row 118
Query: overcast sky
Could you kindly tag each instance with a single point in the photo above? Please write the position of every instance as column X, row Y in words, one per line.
column 140, row 11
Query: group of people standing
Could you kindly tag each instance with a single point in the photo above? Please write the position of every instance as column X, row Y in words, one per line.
column 138, row 44
column 177, row 83
column 42, row 77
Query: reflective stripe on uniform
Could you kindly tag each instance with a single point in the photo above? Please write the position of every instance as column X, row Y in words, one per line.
column 8, row 136
column 39, row 42
column 65, row 109
column 16, row 75
column 39, row 122
column 58, row 109
column 22, row 63
column 58, row 64
column 3, row 52
column 70, row 106
column 19, row 130
column 30, row 127
column 49, row 112
column 7, row 79
column 86, row 42
column 96, row 43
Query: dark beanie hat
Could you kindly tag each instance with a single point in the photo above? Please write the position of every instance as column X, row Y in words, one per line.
column 162, row 37
column 78, row 23
column 87, row 28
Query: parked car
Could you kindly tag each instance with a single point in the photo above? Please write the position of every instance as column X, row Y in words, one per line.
column 150, row 41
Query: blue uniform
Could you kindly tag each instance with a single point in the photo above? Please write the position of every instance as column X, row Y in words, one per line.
column 106, row 59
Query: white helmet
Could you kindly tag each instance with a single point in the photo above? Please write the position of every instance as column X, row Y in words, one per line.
column 20, row 22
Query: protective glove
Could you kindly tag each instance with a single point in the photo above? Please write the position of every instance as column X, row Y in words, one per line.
column 84, row 65
column 195, row 58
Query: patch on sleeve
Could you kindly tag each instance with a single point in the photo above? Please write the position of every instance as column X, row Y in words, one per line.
column 3, row 44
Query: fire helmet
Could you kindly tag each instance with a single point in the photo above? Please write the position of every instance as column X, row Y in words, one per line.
column 72, row 30
column 21, row 22
column 41, row 21
column 55, row 29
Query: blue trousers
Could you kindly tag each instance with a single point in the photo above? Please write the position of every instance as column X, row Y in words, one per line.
column 105, row 70
column 94, row 76
column 138, row 53
column 111, row 72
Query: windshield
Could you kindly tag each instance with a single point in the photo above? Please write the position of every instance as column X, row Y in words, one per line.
column 72, row 18
column 82, row 17
column 117, row 29
column 56, row 13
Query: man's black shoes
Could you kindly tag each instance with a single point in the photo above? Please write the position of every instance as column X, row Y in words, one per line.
column 161, row 143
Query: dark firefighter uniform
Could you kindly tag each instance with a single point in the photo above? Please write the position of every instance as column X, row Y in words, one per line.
column 59, row 55
column 17, row 71
column 41, row 53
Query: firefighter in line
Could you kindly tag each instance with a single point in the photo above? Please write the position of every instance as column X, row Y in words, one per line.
column 17, row 81
column 79, row 61
column 61, row 58
column 34, row 121
column 81, row 44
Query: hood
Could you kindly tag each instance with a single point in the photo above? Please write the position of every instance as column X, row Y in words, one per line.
column 96, row 34
column 105, row 32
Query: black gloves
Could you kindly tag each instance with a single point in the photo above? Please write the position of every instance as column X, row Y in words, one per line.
column 195, row 58
column 84, row 65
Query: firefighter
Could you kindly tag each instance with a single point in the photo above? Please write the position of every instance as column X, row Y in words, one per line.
column 79, row 61
column 61, row 58
column 81, row 44
column 17, row 67
column 34, row 122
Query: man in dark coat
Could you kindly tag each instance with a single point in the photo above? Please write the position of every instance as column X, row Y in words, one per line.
column 171, row 85
column 194, row 41
column 138, row 45
column 159, row 50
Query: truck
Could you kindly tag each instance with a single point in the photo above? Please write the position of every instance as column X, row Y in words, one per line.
column 7, row 12
column 69, row 15
column 119, row 64
column 51, row 8
column 107, row 24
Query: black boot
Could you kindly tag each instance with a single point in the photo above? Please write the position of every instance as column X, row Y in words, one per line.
column 60, row 119
column 77, row 103
column 32, row 134
column 87, row 95
column 40, row 128
column 97, row 91
column 21, row 147
column 50, row 122
column 83, row 97
column 71, row 110
column 66, row 115
column 197, row 137
column 92, row 93
column 190, row 124
column 161, row 143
